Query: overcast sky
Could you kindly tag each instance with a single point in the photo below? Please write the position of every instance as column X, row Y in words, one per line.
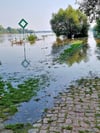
column 36, row 12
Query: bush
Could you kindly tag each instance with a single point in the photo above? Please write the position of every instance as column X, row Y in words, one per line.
column 32, row 38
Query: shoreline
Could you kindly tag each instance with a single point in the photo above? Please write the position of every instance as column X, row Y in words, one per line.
column 75, row 111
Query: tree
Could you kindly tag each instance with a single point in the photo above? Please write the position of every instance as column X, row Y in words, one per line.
column 11, row 30
column 90, row 7
column 69, row 22
column 97, row 29
column 2, row 30
column 98, row 25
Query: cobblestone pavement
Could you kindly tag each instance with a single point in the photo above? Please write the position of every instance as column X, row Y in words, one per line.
column 2, row 128
column 76, row 111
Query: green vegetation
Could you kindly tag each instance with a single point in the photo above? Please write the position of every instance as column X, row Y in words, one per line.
column 85, row 131
column 98, row 127
column 13, row 30
column 60, row 42
column 45, row 110
column 74, row 53
column 2, row 30
column 50, row 120
column 32, row 38
column 10, row 97
column 97, row 29
column 97, row 41
column 67, row 127
column 90, row 8
column 19, row 128
column 69, row 22
column 97, row 115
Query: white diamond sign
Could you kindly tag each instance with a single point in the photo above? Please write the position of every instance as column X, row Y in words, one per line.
column 23, row 23
column 25, row 63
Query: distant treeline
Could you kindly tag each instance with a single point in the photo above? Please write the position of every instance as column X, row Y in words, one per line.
column 13, row 30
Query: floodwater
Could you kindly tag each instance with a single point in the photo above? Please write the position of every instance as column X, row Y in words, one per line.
column 19, row 62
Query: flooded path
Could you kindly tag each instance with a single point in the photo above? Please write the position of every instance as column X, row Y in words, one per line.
column 40, row 57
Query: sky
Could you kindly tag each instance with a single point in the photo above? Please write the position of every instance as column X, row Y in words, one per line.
column 36, row 12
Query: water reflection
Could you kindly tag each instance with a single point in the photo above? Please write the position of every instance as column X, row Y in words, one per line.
column 97, row 51
column 78, row 56
column 21, row 42
column 60, row 75
column 1, row 38
column 25, row 63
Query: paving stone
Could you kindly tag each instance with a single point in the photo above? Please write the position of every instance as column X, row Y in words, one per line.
column 46, row 120
column 33, row 131
column 6, row 131
column 60, row 120
column 62, row 115
column 37, row 125
column 68, row 121
column 1, row 120
column 75, row 111
column 43, row 131
column 1, row 126
column 66, row 131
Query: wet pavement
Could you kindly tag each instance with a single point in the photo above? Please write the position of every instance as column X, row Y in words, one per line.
column 76, row 111
column 2, row 128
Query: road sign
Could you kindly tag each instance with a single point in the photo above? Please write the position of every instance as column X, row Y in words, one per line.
column 25, row 63
column 23, row 23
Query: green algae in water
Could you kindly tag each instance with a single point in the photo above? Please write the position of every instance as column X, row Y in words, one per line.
column 19, row 128
column 76, row 46
column 10, row 97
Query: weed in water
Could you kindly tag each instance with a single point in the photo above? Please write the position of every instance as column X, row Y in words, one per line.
column 67, row 127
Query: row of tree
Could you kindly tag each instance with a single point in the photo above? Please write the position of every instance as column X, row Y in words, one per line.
column 69, row 22
column 92, row 9
column 97, row 29
column 13, row 30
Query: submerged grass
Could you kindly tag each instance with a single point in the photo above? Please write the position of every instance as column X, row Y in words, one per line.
column 19, row 128
column 32, row 38
column 75, row 46
column 98, row 42
column 11, row 97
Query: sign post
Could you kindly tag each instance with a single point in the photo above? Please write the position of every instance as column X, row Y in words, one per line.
column 23, row 23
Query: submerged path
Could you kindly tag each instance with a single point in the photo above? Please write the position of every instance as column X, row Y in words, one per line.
column 76, row 111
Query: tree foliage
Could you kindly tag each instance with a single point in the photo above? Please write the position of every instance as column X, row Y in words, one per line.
column 98, row 25
column 2, row 30
column 13, row 30
column 69, row 22
column 97, row 29
column 90, row 7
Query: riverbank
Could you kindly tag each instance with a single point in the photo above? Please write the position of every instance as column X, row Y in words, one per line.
column 76, row 111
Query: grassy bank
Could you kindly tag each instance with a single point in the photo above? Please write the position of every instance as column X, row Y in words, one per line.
column 98, row 41
column 19, row 128
column 74, row 47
